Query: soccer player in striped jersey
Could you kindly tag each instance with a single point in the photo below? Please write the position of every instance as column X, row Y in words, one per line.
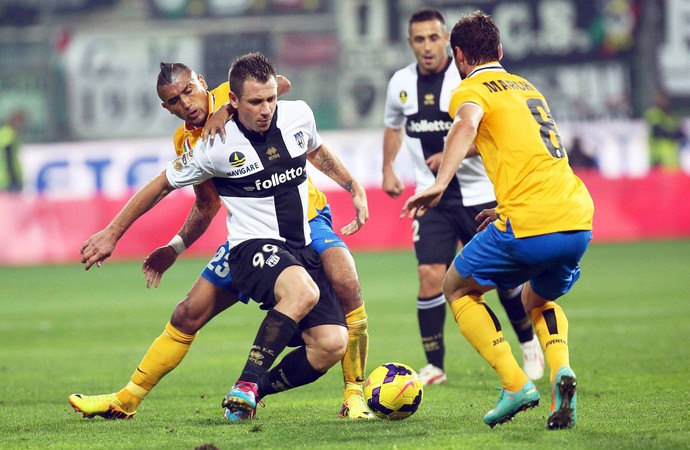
column 417, row 101
column 536, row 235
column 185, row 94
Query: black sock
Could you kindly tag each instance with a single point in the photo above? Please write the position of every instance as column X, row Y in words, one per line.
column 275, row 332
column 431, row 313
column 292, row 371
column 516, row 313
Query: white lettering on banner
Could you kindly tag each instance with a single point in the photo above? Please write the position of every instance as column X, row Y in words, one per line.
column 553, row 30
column 117, row 168
column 111, row 79
column 674, row 55
column 84, row 169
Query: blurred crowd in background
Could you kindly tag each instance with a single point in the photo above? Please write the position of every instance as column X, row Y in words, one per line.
column 85, row 69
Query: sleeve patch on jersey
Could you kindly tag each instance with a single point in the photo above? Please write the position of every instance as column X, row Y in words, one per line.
column 299, row 138
column 186, row 157
column 403, row 96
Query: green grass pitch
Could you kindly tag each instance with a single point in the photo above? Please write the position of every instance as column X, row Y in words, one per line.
column 64, row 330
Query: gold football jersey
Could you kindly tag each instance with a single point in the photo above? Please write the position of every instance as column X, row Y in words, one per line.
column 524, row 157
column 187, row 135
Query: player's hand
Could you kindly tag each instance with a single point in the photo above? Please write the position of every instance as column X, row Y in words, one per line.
column 156, row 263
column 215, row 124
column 98, row 248
column 486, row 216
column 284, row 85
column 359, row 200
column 418, row 204
column 392, row 184
column 434, row 161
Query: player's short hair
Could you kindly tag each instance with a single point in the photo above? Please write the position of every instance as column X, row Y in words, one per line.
column 478, row 38
column 425, row 14
column 169, row 71
column 255, row 66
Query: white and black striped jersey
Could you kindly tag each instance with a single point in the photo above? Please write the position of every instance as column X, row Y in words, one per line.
column 262, row 180
column 420, row 104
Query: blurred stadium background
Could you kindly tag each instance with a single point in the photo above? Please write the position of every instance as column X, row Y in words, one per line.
column 84, row 73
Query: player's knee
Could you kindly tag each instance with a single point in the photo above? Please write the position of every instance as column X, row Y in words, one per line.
column 303, row 296
column 329, row 349
column 187, row 319
column 430, row 278
column 451, row 289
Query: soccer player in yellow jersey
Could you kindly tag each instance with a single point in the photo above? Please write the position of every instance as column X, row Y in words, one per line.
column 186, row 95
column 536, row 235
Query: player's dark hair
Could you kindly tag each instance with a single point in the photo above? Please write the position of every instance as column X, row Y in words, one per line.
column 168, row 72
column 255, row 66
column 425, row 14
column 478, row 38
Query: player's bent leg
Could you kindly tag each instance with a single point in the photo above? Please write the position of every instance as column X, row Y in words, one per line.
column 482, row 330
column 325, row 345
column 551, row 326
column 354, row 366
column 295, row 293
column 341, row 272
column 203, row 302
column 273, row 336
column 340, row 269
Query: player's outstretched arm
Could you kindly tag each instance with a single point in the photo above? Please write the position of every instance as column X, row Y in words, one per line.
column 328, row 162
column 205, row 208
column 100, row 246
column 459, row 143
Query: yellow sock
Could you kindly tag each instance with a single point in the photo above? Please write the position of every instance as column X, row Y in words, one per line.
column 481, row 328
column 551, row 327
column 164, row 354
column 354, row 361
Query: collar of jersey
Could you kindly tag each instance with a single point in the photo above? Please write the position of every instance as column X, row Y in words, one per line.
column 490, row 67
column 253, row 135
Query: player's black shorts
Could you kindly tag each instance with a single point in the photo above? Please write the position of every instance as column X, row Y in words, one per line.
column 437, row 232
column 256, row 264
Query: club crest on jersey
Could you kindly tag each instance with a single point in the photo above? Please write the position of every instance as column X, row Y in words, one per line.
column 403, row 96
column 429, row 99
column 299, row 137
column 237, row 159
column 272, row 153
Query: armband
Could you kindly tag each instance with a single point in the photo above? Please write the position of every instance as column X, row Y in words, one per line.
column 177, row 244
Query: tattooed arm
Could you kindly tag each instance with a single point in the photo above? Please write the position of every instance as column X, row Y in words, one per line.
column 328, row 162
column 205, row 208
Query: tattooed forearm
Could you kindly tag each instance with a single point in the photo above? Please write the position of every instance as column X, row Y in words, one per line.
column 196, row 224
column 348, row 186
column 326, row 165
column 205, row 208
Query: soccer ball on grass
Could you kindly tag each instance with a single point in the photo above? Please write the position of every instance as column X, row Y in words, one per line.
column 393, row 391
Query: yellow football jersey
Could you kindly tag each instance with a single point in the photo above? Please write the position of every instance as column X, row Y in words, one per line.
column 518, row 140
column 187, row 135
